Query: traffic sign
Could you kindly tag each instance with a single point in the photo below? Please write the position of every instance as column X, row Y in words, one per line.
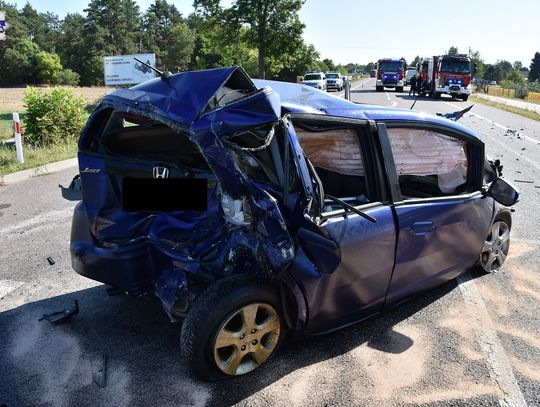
column 3, row 25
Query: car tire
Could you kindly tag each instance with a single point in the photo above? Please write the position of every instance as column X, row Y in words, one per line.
column 465, row 98
column 233, row 327
column 497, row 243
column 437, row 95
column 399, row 89
column 378, row 88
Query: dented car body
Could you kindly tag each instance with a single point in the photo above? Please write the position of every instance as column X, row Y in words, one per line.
column 255, row 209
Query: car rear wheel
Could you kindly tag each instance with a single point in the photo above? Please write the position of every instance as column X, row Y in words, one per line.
column 232, row 329
column 378, row 88
column 497, row 244
column 465, row 98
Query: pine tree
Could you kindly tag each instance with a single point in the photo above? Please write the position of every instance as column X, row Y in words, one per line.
column 534, row 73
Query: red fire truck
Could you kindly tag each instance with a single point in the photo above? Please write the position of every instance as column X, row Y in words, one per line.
column 422, row 68
column 450, row 74
column 390, row 74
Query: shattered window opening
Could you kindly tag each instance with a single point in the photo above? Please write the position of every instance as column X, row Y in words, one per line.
column 134, row 136
column 428, row 163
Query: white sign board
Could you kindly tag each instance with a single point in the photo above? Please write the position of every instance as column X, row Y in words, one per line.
column 124, row 70
column 3, row 25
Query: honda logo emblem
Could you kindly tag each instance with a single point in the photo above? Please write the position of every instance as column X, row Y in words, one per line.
column 160, row 172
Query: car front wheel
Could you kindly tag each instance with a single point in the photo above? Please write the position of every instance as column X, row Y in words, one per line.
column 232, row 329
column 497, row 244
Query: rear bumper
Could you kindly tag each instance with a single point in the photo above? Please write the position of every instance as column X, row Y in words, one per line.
column 127, row 267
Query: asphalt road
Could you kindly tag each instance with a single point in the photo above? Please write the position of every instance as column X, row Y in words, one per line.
column 474, row 341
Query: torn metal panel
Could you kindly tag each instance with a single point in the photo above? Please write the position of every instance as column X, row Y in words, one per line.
column 242, row 219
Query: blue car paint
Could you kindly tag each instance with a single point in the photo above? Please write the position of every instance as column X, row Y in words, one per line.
column 143, row 251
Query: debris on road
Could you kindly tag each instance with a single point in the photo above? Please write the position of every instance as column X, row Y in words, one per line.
column 60, row 317
column 50, row 260
column 524, row 181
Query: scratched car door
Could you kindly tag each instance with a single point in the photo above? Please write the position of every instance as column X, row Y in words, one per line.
column 352, row 250
column 442, row 215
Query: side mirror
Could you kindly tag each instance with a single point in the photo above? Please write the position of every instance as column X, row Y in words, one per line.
column 503, row 192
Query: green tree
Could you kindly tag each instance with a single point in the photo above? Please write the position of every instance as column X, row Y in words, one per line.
column 477, row 62
column 19, row 63
column 517, row 65
column 515, row 77
column 296, row 64
column 452, row 51
column 534, row 73
column 44, row 29
column 490, row 73
column 158, row 24
column 274, row 26
column 329, row 64
column 116, row 23
column 72, row 43
column 502, row 69
column 178, row 54
column 48, row 66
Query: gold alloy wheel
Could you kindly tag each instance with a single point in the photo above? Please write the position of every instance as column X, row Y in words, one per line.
column 246, row 339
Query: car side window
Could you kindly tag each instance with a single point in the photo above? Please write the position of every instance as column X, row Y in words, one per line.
column 428, row 163
column 336, row 156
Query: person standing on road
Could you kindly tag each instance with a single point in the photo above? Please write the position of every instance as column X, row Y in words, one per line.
column 413, row 85
column 419, row 84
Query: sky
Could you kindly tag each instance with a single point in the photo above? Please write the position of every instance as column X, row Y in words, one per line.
column 361, row 31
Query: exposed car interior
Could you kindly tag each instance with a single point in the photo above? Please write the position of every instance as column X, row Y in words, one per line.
column 337, row 158
column 428, row 164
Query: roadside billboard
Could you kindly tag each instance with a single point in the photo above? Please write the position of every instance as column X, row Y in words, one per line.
column 124, row 70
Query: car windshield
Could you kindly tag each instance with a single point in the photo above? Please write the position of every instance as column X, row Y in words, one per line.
column 455, row 65
column 391, row 66
column 332, row 75
column 312, row 77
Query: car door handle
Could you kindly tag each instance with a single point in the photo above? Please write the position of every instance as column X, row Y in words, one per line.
column 422, row 228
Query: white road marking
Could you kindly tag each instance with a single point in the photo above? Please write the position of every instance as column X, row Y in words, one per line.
column 7, row 286
column 500, row 126
column 361, row 83
column 355, row 87
column 41, row 219
column 499, row 367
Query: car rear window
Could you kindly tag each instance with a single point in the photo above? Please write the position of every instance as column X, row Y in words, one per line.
column 129, row 135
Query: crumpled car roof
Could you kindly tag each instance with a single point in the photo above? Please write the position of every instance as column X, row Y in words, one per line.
column 184, row 97
column 304, row 99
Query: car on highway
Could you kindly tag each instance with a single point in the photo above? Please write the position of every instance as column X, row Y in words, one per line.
column 334, row 80
column 257, row 210
column 316, row 80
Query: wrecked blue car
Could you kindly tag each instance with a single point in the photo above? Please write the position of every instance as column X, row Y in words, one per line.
column 256, row 210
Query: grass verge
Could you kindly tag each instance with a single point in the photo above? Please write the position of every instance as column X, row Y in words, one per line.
column 35, row 156
column 502, row 106
column 6, row 124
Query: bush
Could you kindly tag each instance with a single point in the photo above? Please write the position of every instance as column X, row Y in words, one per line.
column 68, row 77
column 53, row 116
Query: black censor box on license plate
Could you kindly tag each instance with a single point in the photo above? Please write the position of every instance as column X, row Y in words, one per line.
column 164, row 195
